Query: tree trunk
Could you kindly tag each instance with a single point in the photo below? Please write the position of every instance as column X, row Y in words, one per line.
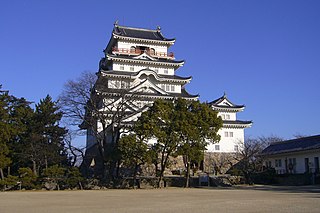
column 46, row 161
column 156, row 168
column 80, row 185
column 118, row 169
column 188, row 174
column 161, row 178
column 161, row 182
column 34, row 167
column 135, row 175
column 1, row 174
column 9, row 170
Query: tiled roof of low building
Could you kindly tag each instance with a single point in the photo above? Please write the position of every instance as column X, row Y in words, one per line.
column 294, row 145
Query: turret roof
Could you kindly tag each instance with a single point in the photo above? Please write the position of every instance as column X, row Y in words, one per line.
column 142, row 33
column 224, row 102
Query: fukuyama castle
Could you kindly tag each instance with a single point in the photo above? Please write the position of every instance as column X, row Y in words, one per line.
column 139, row 62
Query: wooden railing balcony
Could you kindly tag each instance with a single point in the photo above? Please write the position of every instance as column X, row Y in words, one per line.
column 137, row 51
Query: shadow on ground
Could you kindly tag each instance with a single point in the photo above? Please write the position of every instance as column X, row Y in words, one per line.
column 289, row 189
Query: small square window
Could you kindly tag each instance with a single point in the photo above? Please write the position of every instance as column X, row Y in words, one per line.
column 165, row 71
column 172, row 88
column 226, row 134
column 162, row 86
column 278, row 163
column 227, row 117
column 236, row 148
column 131, row 68
column 117, row 84
column 121, row 67
column 217, row 147
column 231, row 134
column 167, row 87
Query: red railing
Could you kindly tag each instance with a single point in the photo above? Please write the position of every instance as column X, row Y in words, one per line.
column 138, row 52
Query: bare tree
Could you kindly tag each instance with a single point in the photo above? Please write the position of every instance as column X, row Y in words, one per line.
column 75, row 96
column 248, row 156
column 76, row 154
column 103, row 111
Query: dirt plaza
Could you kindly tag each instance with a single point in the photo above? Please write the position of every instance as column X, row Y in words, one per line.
column 233, row 199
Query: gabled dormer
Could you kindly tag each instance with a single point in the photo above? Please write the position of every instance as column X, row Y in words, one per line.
column 224, row 104
column 147, row 86
column 145, row 56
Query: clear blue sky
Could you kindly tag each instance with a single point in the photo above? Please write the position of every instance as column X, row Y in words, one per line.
column 264, row 54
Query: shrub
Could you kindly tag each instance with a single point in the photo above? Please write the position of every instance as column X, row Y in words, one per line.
column 27, row 178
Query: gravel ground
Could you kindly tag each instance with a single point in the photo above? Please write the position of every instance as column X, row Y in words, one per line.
column 235, row 199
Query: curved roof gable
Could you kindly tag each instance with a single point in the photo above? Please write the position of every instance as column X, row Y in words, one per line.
column 147, row 72
column 224, row 102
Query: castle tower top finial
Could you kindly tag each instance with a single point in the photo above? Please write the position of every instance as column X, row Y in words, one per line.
column 116, row 23
column 158, row 28
column 224, row 94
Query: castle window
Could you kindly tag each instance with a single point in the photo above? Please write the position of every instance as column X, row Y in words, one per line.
column 226, row 134
column 132, row 49
column 223, row 117
column 217, row 147
column 117, row 84
column 156, row 70
column 123, row 85
column 278, row 163
column 231, row 134
column 236, row 148
column 227, row 117
column 167, row 87
column 131, row 68
column 162, row 86
column 165, row 71
column 121, row 67
column 152, row 51
column 172, row 88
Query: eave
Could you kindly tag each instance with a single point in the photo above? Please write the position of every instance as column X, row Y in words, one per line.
column 135, row 75
column 237, row 124
column 140, row 61
column 149, row 96
column 227, row 109
column 168, row 42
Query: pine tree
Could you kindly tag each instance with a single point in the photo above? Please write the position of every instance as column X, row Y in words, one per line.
column 5, row 131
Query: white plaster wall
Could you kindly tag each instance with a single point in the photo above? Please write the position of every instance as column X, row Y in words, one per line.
column 233, row 115
column 300, row 162
column 136, row 68
column 118, row 83
column 227, row 144
column 177, row 87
